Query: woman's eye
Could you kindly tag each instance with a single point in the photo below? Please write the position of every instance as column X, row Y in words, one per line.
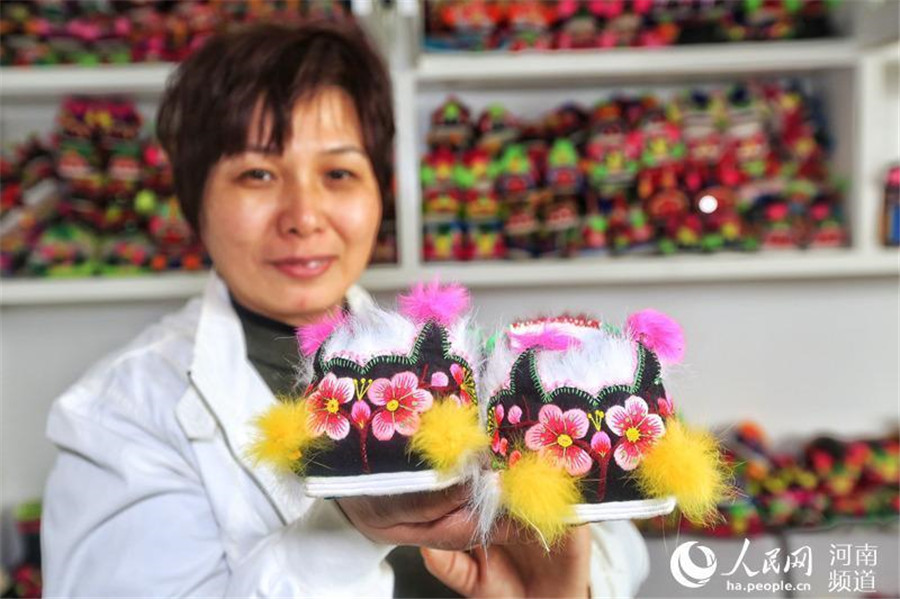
column 257, row 174
column 340, row 174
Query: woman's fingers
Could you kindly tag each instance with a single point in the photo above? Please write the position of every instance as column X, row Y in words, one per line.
column 456, row 530
column 456, row 569
column 440, row 519
column 484, row 572
column 427, row 507
column 508, row 532
column 409, row 508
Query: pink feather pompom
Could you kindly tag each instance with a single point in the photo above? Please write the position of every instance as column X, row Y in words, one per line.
column 659, row 333
column 547, row 337
column 434, row 301
column 310, row 337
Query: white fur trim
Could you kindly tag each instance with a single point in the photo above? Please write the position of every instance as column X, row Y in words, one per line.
column 602, row 360
column 464, row 339
column 496, row 371
column 371, row 332
column 485, row 500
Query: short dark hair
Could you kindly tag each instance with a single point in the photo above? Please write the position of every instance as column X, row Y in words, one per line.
column 209, row 102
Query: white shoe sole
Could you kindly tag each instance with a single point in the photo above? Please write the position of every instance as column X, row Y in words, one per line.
column 623, row 510
column 384, row 483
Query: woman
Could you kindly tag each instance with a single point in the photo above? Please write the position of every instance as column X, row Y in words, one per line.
column 281, row 142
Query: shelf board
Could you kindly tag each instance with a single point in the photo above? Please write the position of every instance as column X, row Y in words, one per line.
column 726, row 59
column 165, row 286
column 67, row 79
column 632, row 62
column 889, row 52
column 21, row 292
column 775, row 265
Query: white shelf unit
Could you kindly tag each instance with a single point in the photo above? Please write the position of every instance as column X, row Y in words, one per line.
column 639, row 63
column 18, row 83
column 877, row 136
column 529, row 83
column 169, row 285
column 847, row 73
column 789, row 264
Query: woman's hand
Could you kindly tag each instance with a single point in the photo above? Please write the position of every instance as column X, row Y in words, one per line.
column 440, row 519
column 517, row 567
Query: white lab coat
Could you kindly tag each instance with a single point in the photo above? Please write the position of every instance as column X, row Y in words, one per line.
column 153, row 495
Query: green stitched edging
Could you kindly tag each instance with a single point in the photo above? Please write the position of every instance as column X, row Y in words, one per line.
column 638, row 377
column 594, row 401
column 512, row 381
column 409, row 360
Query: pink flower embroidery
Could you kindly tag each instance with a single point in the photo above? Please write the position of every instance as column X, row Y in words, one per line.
column 515, row 415
column 455, row 399
column 463, row 378
column 439, row 379
column 600, row 444
column 360, row 414
column 402, row 401
column 325, row 406
column 637, row 428
column 556, row 433
column 666, row 407
column 499, row 444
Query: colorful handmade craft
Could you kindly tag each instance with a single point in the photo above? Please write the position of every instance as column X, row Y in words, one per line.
column 479, row 25
column 64, row 250
column 577, row 427
column 392, row 405
column 90, row 33
column 828, row 481
column 734, row 168
column 890, row 219
column 583, row 430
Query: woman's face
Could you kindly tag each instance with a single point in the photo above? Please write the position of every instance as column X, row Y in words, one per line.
column 290, row 233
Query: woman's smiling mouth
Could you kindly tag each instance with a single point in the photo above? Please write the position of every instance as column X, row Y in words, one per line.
column 303, row 267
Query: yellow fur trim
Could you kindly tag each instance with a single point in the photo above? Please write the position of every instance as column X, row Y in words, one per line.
column 537, row 492
column 686, row 463
column 448, row 435
column 283, row 438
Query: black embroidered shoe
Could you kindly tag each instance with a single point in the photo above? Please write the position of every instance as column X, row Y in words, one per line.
column 581, row 424
column 391, row 406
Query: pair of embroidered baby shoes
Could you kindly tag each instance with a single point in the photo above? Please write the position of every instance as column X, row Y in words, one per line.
column 555, row 420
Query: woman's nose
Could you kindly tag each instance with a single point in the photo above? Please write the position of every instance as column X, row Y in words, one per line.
column 301, row 210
